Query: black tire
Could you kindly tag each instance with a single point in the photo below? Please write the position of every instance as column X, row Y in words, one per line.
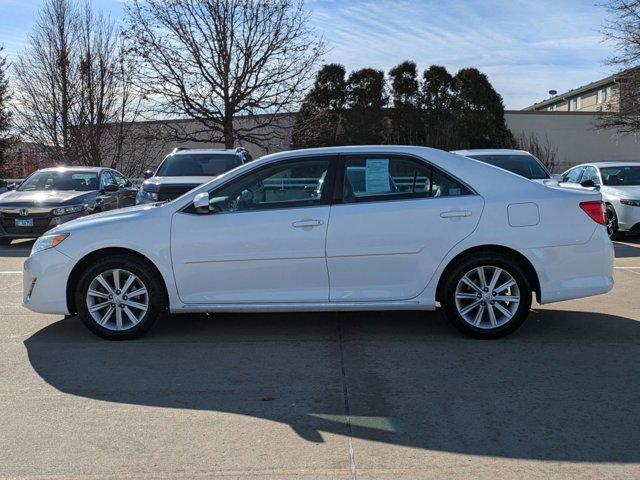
column 144, row 271
column 612, row 224
column 505, row 262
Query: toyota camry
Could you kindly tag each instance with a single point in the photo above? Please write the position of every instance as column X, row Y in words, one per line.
column 341, row 228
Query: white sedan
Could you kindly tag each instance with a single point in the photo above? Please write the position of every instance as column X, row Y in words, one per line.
column 343, row 228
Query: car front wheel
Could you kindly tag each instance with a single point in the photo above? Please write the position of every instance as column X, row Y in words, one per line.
column 119, row 297
column 612, row 224
column 488, row 296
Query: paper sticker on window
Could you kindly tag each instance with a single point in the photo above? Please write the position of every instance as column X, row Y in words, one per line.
column 377, row 175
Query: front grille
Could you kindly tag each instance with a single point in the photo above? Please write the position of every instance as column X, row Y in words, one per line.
column 40, row 223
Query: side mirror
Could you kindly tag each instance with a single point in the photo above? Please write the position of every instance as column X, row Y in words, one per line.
column 147, row 174
column 201, row 202
column 588, row 184
column 12, row 186
column 111, row 187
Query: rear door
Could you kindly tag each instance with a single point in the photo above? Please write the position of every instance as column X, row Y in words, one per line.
column 396, row 219
column 127, row 192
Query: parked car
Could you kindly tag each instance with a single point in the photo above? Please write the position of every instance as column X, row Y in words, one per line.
column 519, row 162
column 184, row 169
column 3, row 186
column 52, row 196
column 268, row 237
column 619, row 184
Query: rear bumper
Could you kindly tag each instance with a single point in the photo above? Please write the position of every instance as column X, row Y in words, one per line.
column 44, row 282
column 574, row 271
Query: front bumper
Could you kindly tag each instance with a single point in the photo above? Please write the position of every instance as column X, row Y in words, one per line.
column 44, row 282
column 41, row 225
column 628, row 216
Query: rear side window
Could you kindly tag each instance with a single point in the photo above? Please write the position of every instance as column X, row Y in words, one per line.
column 384, row 177
column 526, row 166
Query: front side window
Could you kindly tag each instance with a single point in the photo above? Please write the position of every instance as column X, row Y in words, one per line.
column 289, row 185
column 590, row 173
column 572, row 176
column 198, row 165
column 107, row 179
column 380, row 177
column 60, row 180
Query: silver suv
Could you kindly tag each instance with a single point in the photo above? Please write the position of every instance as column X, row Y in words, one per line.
column 184, row 169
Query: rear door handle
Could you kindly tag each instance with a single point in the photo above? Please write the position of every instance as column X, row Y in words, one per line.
column 307, row 223
column 455, row 214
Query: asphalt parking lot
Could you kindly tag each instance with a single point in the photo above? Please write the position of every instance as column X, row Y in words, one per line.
column 368, row 395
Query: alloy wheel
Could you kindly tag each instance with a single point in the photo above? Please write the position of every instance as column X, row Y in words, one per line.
column 487, row 297
column 117, row 299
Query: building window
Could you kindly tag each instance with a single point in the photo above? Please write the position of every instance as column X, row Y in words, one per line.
column 604, row 95
column 575, row 104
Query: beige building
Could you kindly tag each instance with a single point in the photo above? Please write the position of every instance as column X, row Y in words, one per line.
column 600, row 96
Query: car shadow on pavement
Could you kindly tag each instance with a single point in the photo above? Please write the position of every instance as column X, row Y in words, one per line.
column 16, row 249
column 563, row 388
column 627, row 248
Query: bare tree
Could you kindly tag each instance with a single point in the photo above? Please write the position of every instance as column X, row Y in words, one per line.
column 623, row 29
column 542, row 149
column 211, row 60
column 6, row 135
column 74, row 87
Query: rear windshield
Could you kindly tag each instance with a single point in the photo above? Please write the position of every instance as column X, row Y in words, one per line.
column 623, row 176
column 524, row 165
column 197, row 165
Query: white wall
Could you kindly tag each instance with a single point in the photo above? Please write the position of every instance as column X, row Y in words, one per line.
column 576, row 137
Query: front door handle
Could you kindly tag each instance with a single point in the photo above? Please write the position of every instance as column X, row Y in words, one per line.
column 307, row 223
column 455, row 214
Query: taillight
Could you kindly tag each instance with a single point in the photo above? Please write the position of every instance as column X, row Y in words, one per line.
column 596, row 211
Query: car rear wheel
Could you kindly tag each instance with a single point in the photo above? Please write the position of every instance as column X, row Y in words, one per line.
column 487, row 297
column 119, row 297
column 612, row 224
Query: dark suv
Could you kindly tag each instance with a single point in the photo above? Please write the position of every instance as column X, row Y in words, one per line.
column 184, row 169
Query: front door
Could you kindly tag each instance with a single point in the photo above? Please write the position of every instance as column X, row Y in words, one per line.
column 263, row 240
column 398, row 218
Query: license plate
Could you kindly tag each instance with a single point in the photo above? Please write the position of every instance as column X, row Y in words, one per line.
column 24, row 222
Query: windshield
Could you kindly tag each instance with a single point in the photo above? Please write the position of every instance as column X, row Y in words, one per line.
column 60, row 180
column 526, row 166
column 621, row 176
column 197, row 165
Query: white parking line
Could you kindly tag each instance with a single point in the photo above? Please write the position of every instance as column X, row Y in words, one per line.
column 16, row 271
column 627, row 268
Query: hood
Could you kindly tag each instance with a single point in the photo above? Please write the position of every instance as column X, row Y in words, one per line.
column 632, row 191
column 106, row 217
column 44, row 198
column 176, row 181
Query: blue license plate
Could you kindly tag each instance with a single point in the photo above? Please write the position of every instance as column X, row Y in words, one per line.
column 24, row 222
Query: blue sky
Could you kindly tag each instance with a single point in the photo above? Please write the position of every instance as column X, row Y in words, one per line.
column 526, row 47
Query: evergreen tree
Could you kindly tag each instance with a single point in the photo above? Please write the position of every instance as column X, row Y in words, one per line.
column 406, row 122
column 480, row 111
column 440, row 104
column 319, row 122
column 366, row 98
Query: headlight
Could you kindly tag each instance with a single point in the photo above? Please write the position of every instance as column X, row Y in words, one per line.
column 633, row 203
column 147, row 195
column 48, row 241
column 68, row 210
